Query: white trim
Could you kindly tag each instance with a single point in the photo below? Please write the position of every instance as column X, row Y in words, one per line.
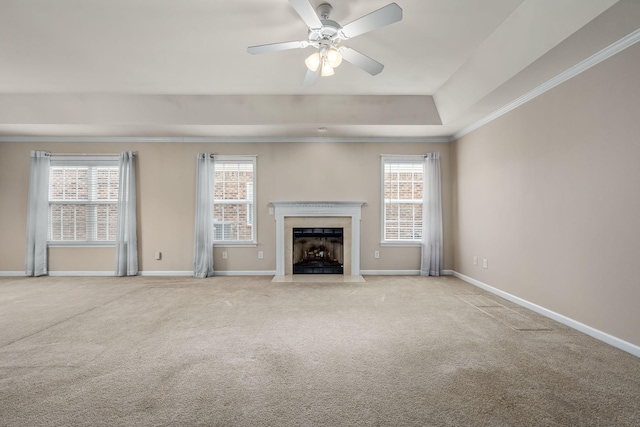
column 586, row 329
column 402, row 243
column 83, row 160
column 233, row 244
column 82, row 273
column 245, row 273
column 81, row 243
column 400, row 273
column 392, row 158
column 176, row 273
column 402, row 158
column 217, row 273
column 221, row 139
column 13, row 273
column 580, row 67
column 61, row 273
column 390, row 272
column 235, row 162
column 351, row 209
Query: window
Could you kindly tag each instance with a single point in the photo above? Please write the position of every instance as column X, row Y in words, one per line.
column 402, row 186
column 83, row 200
column 234, row 199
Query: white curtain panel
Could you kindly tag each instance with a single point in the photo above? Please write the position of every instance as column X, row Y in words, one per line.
column 203, row 247
column 38, row 214
column 431, row 264
column 126, row 233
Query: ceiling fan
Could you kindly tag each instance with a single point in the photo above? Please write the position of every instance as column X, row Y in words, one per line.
column 326, row 36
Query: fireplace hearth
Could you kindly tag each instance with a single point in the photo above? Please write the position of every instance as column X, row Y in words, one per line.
column 318, row 250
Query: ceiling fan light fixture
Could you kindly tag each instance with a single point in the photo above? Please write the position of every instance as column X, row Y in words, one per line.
column 313, row 61
column 327, row 69
column 334, row 58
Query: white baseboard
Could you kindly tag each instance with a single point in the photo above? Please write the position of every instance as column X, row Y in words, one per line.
column 12, row 273
column 61, row 273
column 390, row 272
column 179, row 273
column 82, row 273
column 215, row 273
column 592, row 332
column 245, row 273
column 398, row 272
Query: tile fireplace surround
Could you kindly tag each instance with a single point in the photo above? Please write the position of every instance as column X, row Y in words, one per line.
column 344, row 214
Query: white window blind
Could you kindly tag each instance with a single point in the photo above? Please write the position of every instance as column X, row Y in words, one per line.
column 234, row 199
column 402, row 183
column 83, row 200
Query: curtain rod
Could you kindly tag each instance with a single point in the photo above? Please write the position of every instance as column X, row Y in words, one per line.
column 212, row 155
column 404, row 155
column 88, row 154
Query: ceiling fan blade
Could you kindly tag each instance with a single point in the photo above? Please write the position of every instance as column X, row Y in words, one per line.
column 307, row 13
column 274, row 47
column 360, row 60
column 384, row 16
column 311, row 77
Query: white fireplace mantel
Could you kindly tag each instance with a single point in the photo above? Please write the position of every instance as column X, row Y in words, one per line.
column 350, row 209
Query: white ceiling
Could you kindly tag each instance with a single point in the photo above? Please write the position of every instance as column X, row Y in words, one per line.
column 180, row 68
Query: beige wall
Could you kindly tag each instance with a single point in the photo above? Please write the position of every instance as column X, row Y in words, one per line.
column 550, row 195
column 166, row 190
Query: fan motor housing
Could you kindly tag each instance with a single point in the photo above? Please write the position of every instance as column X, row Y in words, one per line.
column 324, row 10
column 328, row 31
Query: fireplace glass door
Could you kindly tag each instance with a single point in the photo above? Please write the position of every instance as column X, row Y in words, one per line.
column 318, row 251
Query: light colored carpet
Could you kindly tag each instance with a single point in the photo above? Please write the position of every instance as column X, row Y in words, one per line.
column 509, row 317
column 226, row 351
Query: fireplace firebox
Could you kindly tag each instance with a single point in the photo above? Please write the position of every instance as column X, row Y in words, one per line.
column 318, row 251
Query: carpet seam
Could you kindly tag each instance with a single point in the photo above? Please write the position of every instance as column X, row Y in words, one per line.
column 69, row 318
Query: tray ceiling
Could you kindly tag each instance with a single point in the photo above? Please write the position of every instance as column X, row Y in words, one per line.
column 180, row 69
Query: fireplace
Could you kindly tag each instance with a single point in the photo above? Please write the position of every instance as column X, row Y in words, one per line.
column 318, row 250
column 316, row 214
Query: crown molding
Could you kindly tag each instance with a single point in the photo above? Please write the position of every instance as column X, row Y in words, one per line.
column 219, row 139
column 582, row 66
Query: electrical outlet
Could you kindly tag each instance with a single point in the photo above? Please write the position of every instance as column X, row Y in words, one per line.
column 260, row 254
column 475, row 260
column 224, row 255
column 158, row 256
column 376, row 254
column 485, row 263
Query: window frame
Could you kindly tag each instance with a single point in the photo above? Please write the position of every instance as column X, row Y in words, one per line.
column 91, row 162
column 251, row 213
column 394, row 159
